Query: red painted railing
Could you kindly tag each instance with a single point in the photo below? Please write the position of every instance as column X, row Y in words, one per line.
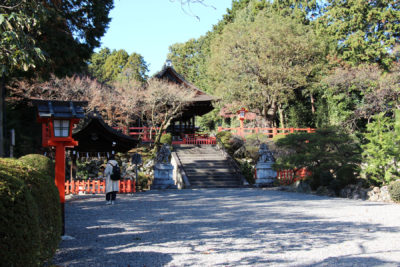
column 271, row 132
column 97, row 186
column 188, row 139
column 196, row 139
column 286, row 177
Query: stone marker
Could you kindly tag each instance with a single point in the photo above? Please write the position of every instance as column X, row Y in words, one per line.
column 265, row 174
column 163, row 170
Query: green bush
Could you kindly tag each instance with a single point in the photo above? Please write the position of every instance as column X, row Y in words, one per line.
column 225, row 138
column 19, row 223
column 252, row 152
column 143, row 180
column 40, row 163
column 166, row 139
column 247, row 170
column 46, row 195
column 257, row 139
column 333, row 157
column 381, row 153
column 394, row 191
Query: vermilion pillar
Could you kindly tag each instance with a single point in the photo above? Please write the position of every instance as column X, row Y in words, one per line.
column 60, row 171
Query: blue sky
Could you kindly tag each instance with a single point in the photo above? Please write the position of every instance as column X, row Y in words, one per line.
column 149, row 27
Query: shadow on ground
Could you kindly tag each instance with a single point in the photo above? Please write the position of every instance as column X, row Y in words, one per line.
column 192, row 226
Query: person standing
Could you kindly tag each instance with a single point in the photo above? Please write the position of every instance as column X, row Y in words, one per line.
column 112, row 186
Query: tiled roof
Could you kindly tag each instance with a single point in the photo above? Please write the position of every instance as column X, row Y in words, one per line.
column 60, row 109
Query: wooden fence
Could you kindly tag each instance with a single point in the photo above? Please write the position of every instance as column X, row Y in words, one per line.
column 271, row 132
column 97, row 186
column 287, row 177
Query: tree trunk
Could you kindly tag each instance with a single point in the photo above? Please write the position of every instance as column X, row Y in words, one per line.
column 269, row 113
column 281, row 117
column 159, row 133
column 2, row 116
column 312, row 103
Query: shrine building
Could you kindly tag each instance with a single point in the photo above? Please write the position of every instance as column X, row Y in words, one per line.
column 201, row 103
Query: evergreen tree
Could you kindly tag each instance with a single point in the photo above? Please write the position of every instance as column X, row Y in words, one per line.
column 382, row 152
column 117, row 65
column 261, row 62
column 96, row 63
column 363, row 31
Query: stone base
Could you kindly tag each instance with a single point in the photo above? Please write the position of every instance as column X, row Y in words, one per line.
column 163, row 178
column 266, row 176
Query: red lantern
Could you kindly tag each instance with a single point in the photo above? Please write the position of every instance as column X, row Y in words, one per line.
column 58, row 119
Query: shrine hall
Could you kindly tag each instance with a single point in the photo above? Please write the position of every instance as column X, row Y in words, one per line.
column 200, row 104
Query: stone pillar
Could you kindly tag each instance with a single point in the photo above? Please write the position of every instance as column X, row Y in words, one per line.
column 163, row 176
column 265, row 174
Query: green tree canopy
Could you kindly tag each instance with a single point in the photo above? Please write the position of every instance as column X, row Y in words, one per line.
column 19, row 50
column 363, row 31
column 64, row 32
column 109, row 66
column 260, row 62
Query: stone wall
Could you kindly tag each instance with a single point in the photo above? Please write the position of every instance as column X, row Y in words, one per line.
column 372, row 194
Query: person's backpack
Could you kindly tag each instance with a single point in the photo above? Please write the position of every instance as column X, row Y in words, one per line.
column 116, row 173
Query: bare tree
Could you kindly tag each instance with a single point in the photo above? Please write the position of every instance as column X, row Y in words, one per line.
column 163, row 102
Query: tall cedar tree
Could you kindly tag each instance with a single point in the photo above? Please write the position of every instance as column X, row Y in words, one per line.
column 363, row 31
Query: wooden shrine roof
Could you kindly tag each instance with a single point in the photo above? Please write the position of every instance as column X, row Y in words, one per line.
column 96, row 136
column 201, row 103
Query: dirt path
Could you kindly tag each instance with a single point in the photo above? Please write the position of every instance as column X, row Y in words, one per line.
column 229, row 227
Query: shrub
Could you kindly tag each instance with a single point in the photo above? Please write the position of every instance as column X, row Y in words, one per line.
column 247, row 170
column 143, row 180
column 257, row 139
column 40, row 163
column 46, row 195
column 225, row 138
column 328, row 153
column 382, row 151
column 252, row 152
column 394, row 191
column 19, row 225
column 166, row 139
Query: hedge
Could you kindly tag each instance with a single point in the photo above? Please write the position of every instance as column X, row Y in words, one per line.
column 40, row 163
column 19, row 219
column 40, row 241
column 43, row 189
column 394, row 191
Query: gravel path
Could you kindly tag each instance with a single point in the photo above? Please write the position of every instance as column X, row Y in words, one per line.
column 229, row 227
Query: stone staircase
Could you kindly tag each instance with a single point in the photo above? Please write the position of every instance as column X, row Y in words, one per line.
column 206, row 167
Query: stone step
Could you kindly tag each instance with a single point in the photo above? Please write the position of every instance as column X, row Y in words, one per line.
column 201, row 157
column 197, row 164
column 228, row 180
column 207, row 170
column 215, row 185
column 204, row 160
column 212, row 177
column 213, row 155
column 210, row 174
column 206, row 167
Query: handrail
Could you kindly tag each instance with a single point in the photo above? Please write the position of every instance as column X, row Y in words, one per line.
column 233, row 163
column 180, row 169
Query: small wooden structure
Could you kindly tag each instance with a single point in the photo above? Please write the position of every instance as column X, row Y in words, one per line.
column 97, row 136
column 201, row 103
